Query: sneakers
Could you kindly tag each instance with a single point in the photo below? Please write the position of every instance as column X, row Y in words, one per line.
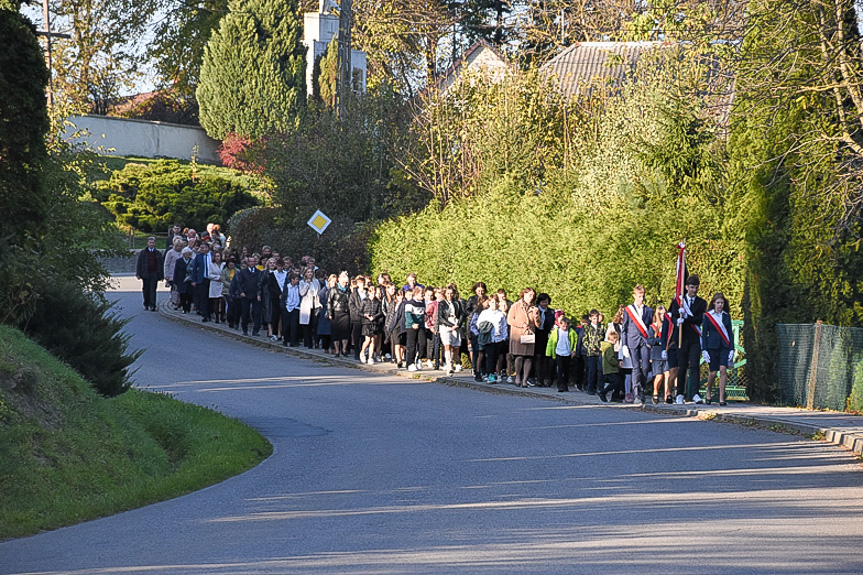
column 419, row 365
column 509, row 379
column 458, row 367
column 449, row 371
column 696, row 399
column 429, row 364
column 602, row 397
column 274, row 338
column 412, row 367
column 669, row 400
column 492, row 378
column 655, row 400
column 679, row 400
column 628, row 398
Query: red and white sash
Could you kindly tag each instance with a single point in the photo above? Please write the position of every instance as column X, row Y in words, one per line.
column 639, row 323
column 685, row 305
column 720, row 327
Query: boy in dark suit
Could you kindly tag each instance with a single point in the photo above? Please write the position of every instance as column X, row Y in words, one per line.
column 636, row 318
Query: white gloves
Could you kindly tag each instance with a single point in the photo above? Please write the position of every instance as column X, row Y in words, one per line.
column 706, row 356
column 731, row 357
column 625, row 351
column 680, row 320
column 664, row 355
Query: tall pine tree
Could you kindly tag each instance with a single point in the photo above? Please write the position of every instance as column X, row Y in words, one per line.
column 253, row 74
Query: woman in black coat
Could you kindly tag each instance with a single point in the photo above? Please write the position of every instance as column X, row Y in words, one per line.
column 339, row 314
column 183, row 280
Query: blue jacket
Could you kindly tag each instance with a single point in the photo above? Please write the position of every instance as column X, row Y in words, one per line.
column 711, row 337
column 199, row 266
column 630, row 335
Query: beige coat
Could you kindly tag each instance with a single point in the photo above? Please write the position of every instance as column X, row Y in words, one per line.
column 522, row 320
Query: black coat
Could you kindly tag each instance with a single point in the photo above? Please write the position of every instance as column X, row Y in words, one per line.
column 249, row 282
column 179, row 279
column 141, row 265
column 698, row 307
column 337, row 303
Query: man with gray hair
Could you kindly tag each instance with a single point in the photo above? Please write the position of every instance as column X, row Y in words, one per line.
column 150, row 270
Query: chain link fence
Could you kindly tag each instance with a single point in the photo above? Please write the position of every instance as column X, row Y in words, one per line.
column 818, row 365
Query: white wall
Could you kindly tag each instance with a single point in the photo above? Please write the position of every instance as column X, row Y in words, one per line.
column 146, row 139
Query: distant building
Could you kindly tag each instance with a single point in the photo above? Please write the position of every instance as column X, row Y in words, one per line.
column 482, row 57
column 320, row 28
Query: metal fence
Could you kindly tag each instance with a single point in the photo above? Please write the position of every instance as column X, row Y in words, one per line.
column 817, row 364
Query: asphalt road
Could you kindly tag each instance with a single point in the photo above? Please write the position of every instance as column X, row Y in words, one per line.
column 384, row 475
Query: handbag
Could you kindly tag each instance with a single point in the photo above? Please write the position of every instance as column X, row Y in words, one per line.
column 528, row 338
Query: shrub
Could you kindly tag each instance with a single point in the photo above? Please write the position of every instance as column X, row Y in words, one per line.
column 80, row 329
column 153, row 197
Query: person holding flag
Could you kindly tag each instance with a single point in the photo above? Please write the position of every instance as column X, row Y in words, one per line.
column 636, row 318
column 716, row 344
column 687, row 312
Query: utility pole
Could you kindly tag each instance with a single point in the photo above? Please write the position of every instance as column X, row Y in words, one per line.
column 46, row 15
column 344, row 80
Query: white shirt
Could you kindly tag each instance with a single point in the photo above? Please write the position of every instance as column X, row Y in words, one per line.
column 280, row 278
column 496, row 318
column 292, row 302
column 563, row 348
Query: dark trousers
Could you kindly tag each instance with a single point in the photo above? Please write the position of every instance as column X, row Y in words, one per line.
column 578, row 370
column 186, row 301
column 416, row 345
column 235, row 310
column 251, row 309
column 594, row 368
column 149, row 291
column 310, row 330
column 612, row 383
column 492, row 351
column 689, row 357
column 563, row 363
column 202, row 298
column 356, row 338
column 640, row 366
column 474, row 354
column 542, row 364
column 437, row 350
column 291, row 326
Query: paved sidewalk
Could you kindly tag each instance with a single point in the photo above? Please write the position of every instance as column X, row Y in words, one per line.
column 835, row 427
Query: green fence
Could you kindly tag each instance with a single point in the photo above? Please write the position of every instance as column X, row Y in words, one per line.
column 818, row 364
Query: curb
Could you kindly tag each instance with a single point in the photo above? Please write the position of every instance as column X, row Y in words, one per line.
column 851, row 440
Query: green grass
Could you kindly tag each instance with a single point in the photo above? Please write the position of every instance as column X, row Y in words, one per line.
column 68, row 455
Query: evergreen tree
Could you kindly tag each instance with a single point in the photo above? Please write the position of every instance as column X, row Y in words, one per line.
column 253, row 74
column 796, row 150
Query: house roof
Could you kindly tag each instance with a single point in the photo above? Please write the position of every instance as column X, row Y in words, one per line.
column 480, row 55
column 583, row 62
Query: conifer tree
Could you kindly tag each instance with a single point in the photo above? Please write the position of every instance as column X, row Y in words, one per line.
column 253, row 74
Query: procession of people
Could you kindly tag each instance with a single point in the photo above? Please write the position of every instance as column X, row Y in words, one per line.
column 524, row 342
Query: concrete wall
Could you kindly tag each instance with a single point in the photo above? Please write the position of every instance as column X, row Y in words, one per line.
column 146, row 139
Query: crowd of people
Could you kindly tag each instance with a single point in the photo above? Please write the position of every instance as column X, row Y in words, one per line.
column 524, row 342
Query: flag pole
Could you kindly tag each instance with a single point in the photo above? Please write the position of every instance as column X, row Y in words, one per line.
column 680, row 296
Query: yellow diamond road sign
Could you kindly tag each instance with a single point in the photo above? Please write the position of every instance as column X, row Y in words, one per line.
column 319, row 222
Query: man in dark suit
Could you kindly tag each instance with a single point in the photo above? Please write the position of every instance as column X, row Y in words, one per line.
column 149, row 269
column 201, row 280
column 633, row 337
column 687, row 315
column 249, row 287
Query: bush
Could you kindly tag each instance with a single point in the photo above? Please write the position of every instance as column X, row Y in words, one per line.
column 153, row 197
column 80, row 329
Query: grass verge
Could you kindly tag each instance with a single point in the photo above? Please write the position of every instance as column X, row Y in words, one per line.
column 69, row 455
